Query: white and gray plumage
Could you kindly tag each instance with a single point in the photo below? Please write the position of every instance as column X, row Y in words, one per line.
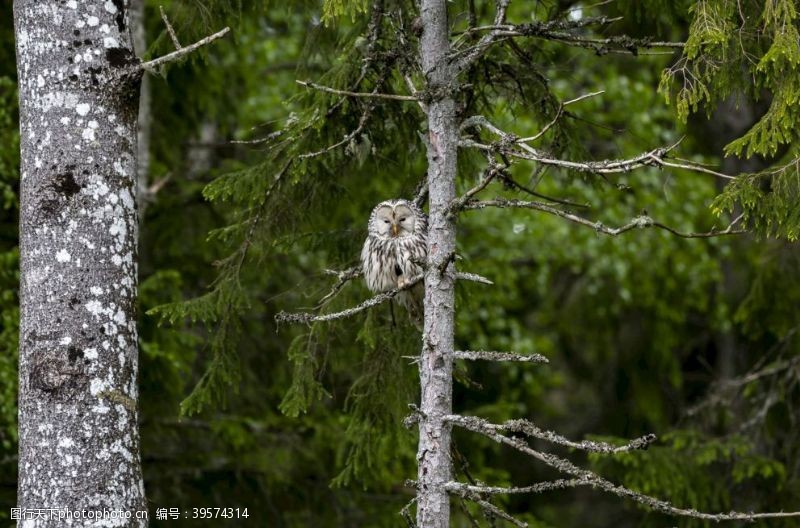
column 394, row 251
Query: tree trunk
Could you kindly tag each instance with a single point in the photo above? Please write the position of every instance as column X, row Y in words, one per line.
column 433, row 455
column 78, row 357
column 139, row 31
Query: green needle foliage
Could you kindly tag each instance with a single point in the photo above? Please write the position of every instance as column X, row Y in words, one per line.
column 748, row 51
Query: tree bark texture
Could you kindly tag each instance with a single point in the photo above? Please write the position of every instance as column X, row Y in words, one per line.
column 139, row 32
column 78, row 357
column 436, row 366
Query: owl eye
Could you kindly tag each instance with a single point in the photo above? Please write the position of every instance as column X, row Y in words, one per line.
column 385, row 221
column 403, row 219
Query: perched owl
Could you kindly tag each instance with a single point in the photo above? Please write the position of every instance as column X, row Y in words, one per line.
column 394, row 250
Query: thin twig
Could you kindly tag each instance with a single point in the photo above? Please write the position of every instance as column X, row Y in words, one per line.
column 178, row 54
column 362, row 123
column 640, row 222
column 170, row 29
column 559, row 113
column 347, row 93
column 532, row 430
column 344, row 277
column 307, row 318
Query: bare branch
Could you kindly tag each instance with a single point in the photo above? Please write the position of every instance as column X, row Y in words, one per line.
column 421, row 192
column 640, row 222
column 473, row 277
column 170, row 29
column 344, row 277
column 347, row 93
column 362, row 123
column 405, row 513
column 307, row 318
column 415, row 93
column 558, row 115
column 491, row 355
column 563, row 31
column 600, row 483
column 471, row 54
column 532, row 430
column 514, row 183
column 490, row 510
column 151, row 65
column 512, row 146
column 539, row 487
column 487, row 176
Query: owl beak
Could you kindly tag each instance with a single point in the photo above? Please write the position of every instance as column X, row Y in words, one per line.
column 395, row 230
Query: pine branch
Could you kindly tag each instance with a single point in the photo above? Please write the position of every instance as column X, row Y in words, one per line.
column 170, row 29
column 344, row 277
column 594, row 480
column 473, row 277
column 513, row 146
column 562, row 31
column 491, row 355
column 178, row 54
column 640, row 222
column 471, row 54
column 489, row 509
column 308, row 317
column 540, row 487
column 558, row 115
column 362, row 123
column 532, row 430
column 347, row 93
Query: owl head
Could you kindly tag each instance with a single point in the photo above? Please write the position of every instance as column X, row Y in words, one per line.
column 396, row 219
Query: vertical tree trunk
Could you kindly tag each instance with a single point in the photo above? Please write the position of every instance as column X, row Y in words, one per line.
column 78, row 418
column 433, row 455
column 139, row 32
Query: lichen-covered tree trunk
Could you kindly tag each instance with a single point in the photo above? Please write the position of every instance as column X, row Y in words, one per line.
column 433, row 455
column 78, row 421
column 144, row 130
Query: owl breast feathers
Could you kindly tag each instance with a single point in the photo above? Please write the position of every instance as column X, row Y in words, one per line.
column 394, row 251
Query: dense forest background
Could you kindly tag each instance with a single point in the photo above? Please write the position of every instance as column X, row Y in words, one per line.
column 691, row 339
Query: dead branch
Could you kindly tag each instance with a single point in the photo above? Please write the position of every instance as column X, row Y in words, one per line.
column 469, row 55
column 562, row 31
column 347, row 93
column 344, row 277
column 491, row 355
column 640, row 222
column 170, row 29
column 308, row 317
column 539, row 487
column 178, row 54
column 512, row 146
column 362, row 123
column 532, row 430
column 596, row 481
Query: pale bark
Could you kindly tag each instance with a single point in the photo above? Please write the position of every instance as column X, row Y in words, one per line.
column 145, row 125
column 78, row 357
column 436, row 363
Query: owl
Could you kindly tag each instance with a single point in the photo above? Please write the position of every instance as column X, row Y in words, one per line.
column 394, row 251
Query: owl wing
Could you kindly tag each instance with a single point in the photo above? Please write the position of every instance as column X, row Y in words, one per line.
column 411, row 256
